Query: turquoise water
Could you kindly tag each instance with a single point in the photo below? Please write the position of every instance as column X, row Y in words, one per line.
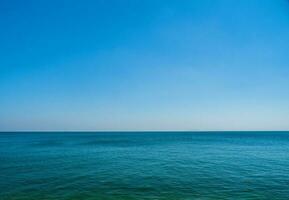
column 175, row 165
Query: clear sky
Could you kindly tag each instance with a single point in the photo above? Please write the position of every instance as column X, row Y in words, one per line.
column 144, row 65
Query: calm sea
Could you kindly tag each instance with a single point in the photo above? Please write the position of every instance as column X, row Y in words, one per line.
column 128, row 166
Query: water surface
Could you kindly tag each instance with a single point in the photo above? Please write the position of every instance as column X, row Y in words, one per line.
column 128, row 166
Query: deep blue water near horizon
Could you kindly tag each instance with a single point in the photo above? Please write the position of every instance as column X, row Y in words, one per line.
column 144, row 165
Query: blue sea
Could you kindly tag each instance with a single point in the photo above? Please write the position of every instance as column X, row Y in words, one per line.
column 144, row 165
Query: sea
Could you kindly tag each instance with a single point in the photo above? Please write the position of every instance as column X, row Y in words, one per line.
column 144, row 165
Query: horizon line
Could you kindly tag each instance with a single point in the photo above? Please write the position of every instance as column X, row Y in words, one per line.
column 95, row 131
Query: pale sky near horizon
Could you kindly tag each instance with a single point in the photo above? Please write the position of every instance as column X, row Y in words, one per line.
column 144, row 65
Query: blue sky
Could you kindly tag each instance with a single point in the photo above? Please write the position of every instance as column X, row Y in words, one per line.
column 144, row 65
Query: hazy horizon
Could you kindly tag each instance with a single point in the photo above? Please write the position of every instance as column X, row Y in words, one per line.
column 197, row 65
